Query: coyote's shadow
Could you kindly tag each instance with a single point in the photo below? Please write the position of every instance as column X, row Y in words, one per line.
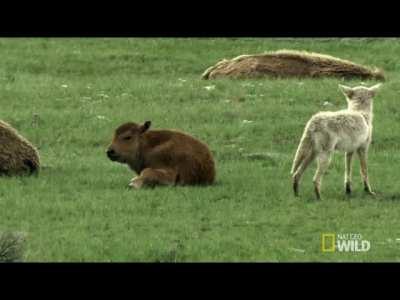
column 389, row 197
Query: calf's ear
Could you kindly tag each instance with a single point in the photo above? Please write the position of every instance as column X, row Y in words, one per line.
column 145, row 126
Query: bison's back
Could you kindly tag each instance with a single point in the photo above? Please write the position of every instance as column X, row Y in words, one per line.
column 17, row 155
column 290, row 63
column 190, row 157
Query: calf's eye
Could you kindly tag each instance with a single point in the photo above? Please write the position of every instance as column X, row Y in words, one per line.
column 127, row 138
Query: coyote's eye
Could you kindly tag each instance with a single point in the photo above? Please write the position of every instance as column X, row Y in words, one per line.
column 127, row 138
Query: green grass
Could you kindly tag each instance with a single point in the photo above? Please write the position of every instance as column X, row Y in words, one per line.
column 78, row 208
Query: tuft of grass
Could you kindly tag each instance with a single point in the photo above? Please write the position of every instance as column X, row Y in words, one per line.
column 12, row 246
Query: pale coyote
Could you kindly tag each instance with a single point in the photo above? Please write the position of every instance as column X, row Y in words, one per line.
column 347, row 130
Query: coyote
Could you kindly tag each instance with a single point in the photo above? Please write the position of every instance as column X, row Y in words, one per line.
column 347, row 130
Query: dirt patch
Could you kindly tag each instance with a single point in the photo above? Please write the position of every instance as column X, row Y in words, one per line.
column 290, row 63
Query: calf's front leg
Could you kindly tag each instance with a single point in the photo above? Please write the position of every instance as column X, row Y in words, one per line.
column 150, row 177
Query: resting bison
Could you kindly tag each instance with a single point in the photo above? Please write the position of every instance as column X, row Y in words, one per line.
column 161, row 157
column 290, row 63
column 17, row 155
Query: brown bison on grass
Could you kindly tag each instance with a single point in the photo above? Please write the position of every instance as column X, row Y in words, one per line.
column 290, row 63
column 161, row 157
column 17, row 155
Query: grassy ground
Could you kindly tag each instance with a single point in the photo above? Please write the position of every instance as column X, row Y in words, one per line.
column 68, row 95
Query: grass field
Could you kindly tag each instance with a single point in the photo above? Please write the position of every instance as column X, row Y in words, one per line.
column 68, row 95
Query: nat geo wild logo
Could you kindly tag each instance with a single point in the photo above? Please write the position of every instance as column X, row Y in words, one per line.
column 344, row 242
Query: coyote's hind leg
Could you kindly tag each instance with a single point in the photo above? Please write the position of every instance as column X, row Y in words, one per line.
column 300, row 171
column 323, row 160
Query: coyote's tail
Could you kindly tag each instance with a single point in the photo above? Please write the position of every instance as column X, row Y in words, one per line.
column 304, row 148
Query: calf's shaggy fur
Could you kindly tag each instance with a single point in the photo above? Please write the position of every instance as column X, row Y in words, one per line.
column 347, row 130
column 290, row 63
column 161, row 157
column 17, row 155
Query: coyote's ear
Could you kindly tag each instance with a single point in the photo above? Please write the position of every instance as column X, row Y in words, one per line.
column 145, row 126
column 375, row 88
column 347, row 91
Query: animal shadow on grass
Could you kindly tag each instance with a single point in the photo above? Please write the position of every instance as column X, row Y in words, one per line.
column 361, row 195
column 157, row 186
column 268, row 158
column 388, row 197
column 379, row 196
column 173, row 254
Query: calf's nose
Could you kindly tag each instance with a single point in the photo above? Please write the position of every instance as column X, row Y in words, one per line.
column 110, row 152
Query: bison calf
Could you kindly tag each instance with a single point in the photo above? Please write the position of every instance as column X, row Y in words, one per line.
column 161, row 157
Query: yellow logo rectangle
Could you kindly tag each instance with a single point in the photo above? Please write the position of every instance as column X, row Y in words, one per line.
column 328, row 242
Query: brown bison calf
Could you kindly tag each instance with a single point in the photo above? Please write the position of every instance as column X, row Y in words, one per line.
column 161, row 157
